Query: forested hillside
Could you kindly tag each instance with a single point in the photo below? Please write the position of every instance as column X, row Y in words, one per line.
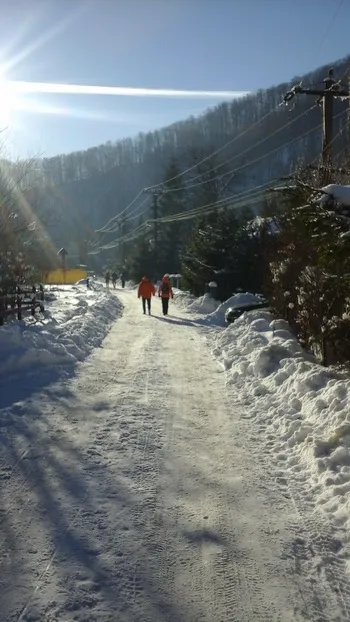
column 87, row 188
column 211, row 177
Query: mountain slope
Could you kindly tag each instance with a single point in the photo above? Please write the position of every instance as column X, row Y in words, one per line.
column 266, row 141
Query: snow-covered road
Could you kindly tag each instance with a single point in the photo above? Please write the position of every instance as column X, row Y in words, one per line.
column 128, row 493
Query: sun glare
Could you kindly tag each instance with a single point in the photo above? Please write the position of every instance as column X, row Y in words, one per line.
column 7, row 104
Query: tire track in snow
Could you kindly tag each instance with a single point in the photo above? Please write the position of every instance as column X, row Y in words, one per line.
column 315, row 544
column 320, row 574
column 23, row 498
column 210, row 530
column 314, row 539
column 56, row 549
column 182, row 515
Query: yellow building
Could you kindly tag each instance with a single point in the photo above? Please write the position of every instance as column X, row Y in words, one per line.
column 64, row 277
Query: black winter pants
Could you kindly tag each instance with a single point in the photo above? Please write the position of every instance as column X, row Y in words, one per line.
column 165, row 305
column 148, row 301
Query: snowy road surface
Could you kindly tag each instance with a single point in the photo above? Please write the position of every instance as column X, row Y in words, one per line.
column 128, row 493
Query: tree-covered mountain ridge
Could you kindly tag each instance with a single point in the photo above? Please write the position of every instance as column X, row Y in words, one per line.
column 258, row 140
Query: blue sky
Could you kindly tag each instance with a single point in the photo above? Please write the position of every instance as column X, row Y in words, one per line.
column 234, row 45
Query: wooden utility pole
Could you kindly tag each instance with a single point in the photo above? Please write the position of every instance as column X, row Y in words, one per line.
column 156, row 192
column 325, row 96
column 155, row 218
column 121, row 224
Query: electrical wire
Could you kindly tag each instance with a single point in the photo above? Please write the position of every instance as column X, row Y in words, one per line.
column 114, row 218
column 272, row 152
column 184, row 216
column 121, row 213
column 227, row 144
column 231, row 173
column 129, row 217
column 251, row 194
column 260, row 142
column 330, row 24
column 202, row 209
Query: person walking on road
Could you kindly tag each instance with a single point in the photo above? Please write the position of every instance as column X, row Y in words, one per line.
column 114, row 279
column 146, row 291
column 165, row 292
column 107, row 279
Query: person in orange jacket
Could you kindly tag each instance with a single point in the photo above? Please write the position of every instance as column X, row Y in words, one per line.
column 145, row 291
column 165, row 292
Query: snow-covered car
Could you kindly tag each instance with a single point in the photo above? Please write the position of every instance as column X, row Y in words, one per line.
column 232, row 313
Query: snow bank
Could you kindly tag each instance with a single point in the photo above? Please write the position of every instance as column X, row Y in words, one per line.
column 183, row 299
column 213, row 309
column 204, row 304
column 300, row 409
column 76, row 319
column 238, row 300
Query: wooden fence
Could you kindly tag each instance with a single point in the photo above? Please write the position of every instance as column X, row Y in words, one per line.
column 23, row 298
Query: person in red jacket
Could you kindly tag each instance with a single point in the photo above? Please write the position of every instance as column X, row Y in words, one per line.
column 165, row 292
column 145, row 291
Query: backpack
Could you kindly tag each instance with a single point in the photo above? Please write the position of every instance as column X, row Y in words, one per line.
column 165, row 289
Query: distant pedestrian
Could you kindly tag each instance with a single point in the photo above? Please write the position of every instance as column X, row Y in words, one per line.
column 165, row 292
column 122, row 278
column 107, row 279
column 145, row 291
column 114, row 279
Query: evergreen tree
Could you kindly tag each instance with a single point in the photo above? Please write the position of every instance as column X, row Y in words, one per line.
column 172, row 235
column 210, row 249
column 310, row 268
column 140, row 261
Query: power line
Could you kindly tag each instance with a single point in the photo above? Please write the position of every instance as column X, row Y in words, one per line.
column 114, row 218
column 326, row 95
column 242, row 198
column 230, row 173
column 129, row 217
column 197, row 211
column 331, row 22
column 265, row 155
column 120, row 214
column 204, row 208
column 260, row 142
column 227, row 144
column 218, row 203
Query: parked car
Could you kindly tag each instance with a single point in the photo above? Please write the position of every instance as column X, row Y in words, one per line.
column 232, row 313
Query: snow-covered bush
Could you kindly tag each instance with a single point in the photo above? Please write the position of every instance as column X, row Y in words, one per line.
column 310, row 276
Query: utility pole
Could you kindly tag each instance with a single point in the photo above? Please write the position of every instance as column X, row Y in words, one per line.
column 155, row 218
column 156, row 192
column 326, row 95
column 121, row 224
